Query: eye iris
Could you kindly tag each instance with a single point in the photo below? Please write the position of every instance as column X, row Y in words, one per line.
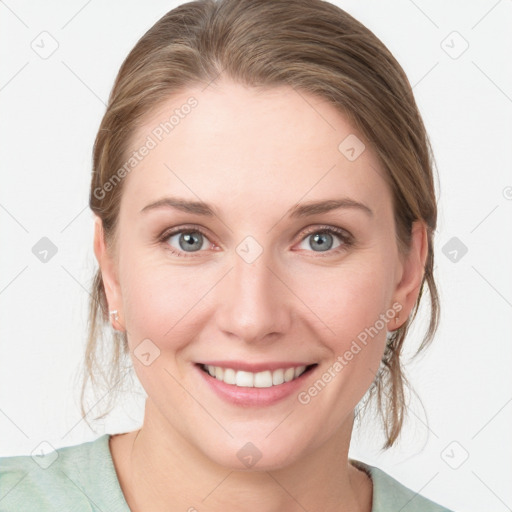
column 319, row 238
column 191, row 241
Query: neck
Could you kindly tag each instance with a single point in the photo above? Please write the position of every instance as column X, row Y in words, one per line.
column 159, row 467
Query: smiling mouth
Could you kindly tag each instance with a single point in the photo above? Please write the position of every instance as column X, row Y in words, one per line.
column 264, row 379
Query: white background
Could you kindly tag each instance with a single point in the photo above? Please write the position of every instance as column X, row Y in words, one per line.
column 51, row 110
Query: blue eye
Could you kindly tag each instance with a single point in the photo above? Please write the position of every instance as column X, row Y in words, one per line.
column 188, row 241
column 322, row 239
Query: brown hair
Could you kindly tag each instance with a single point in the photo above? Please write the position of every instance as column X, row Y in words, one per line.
column 312, row 46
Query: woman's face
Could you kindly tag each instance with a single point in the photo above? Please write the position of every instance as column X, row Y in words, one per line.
column 260, row 280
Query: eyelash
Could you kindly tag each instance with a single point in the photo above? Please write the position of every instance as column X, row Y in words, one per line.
column 344, row 236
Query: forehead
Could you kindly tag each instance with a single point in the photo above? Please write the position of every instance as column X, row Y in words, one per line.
column 233, row 144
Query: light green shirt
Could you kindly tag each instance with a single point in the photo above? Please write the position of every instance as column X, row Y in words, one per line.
column 83, row 478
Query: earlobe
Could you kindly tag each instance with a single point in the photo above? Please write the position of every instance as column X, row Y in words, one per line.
column 108, row 275
column 413, row 270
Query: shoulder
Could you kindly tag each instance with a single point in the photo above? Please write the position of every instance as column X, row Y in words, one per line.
column 80, row 478
column 389, row 494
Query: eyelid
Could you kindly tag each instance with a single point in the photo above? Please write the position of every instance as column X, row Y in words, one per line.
column 318, row 228
column 344, row 235
column 190, row 228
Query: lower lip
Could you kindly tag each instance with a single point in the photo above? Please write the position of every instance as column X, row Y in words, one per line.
column 244, row 396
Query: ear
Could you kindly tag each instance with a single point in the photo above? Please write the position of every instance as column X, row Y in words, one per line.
column 109, row 275
column 411, row 272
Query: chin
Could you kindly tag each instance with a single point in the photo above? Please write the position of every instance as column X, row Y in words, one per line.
column 258, row 454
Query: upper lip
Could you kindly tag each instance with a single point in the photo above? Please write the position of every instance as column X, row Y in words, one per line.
column 256, row 367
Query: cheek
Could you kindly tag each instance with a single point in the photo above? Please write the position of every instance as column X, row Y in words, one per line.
column 352, row 304
column 349, row 298
column 162, row 300
column 160, row 305
column 353, row 310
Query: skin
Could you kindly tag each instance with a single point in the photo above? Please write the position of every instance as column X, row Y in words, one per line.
column 253, row 155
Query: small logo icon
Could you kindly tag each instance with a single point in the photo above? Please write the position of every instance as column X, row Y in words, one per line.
column 249, row 249
column 44, row 454
column 454, row 249
column 45, row 45
column 44, row 250
column 455, row 455
column 249, row 455
column 351, row 147
column 146, row 352
column 454, row 45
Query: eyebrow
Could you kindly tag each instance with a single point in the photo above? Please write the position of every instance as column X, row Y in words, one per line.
column 297, row 211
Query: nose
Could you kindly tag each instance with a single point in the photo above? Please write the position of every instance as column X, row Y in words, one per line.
column 254, row 304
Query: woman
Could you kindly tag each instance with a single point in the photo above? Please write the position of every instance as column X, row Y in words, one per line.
column 265, row 210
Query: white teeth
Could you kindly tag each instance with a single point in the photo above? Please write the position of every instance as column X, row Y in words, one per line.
column 264, row 379
column 289, row 374
column 278, row 377
column 229, row 376
column 244, row 379
column 299, row 371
